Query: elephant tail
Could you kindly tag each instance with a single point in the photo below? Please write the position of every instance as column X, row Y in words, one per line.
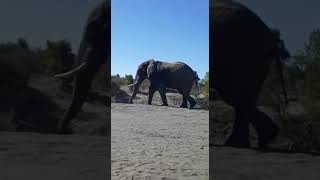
column 280, row 53
column 196, row 83
column 281, row 74
column 196, row 75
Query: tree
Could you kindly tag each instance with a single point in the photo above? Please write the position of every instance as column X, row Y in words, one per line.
column 59, row 56
column 22, row 43
column 312, row 47
column 205, row 84
column 128, row 79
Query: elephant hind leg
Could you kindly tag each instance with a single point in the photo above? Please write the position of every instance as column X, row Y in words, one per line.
column 266, row 129
column 240, row 134
column 191, row 101
column 150, row 95
column 184, row 103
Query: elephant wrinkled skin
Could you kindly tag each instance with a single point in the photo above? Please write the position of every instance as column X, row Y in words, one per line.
column 94, row 51
column 164, row 75
column 242, row 48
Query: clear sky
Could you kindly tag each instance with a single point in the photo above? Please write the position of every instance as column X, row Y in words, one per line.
column 165, row 30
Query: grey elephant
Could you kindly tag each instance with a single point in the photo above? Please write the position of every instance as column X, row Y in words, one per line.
column 242, row 47
column 93, row 52
column 163, row 75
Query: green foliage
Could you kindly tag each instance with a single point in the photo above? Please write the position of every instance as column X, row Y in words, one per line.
column 128, row 79
column 205, row 85
column 312, row 47
column 19, row 47
column 116, row 79
column 145, row 85
column 59, row 57
column 55, row 58
column 304, row 79
column 102, row 80
column 122, row 81
column 15, row 61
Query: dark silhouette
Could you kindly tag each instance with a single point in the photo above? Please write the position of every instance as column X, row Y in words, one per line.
column 242, row 48
column 164, row 75
column 93, row 52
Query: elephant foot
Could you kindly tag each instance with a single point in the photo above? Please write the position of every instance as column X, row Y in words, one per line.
column 183, row 106
column 266, row 129
column 235, row 141
column 192, row 103
column 164, row 104
column 266, row 136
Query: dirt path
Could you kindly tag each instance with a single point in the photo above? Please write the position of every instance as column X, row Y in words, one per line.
column 163, row 142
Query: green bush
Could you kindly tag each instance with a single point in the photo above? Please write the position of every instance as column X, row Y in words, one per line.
column 304, row 80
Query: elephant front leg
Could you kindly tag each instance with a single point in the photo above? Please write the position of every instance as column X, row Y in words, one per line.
column 162, row 91
column 151, row 93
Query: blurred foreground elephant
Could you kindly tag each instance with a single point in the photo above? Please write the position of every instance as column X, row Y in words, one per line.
column 242, row 48
column 93, row 52
column 164, row 75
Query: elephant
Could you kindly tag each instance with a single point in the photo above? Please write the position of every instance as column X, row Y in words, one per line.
column 242, row 48
column 94, row 51
column 163, row 76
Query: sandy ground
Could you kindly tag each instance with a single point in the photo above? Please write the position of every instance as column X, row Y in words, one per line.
column 53, row 157
column 148, row 142
column 232, row 164
column 159, row 142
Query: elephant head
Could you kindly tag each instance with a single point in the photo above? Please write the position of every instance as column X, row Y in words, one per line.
column 145, row 71
column 94, row 51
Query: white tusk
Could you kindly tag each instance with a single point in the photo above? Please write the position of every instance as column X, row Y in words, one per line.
column 132, row 84
column 72, row 71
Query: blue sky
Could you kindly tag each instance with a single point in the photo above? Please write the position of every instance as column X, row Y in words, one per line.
column 165, row 30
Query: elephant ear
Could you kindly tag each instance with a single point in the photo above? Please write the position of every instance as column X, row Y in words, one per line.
column 151, row 69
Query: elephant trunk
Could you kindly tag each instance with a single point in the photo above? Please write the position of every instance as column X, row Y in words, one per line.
column 82, row 84
column 136, row 86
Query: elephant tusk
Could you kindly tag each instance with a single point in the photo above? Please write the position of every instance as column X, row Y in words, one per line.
column 132, row 84
column 71, row 72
